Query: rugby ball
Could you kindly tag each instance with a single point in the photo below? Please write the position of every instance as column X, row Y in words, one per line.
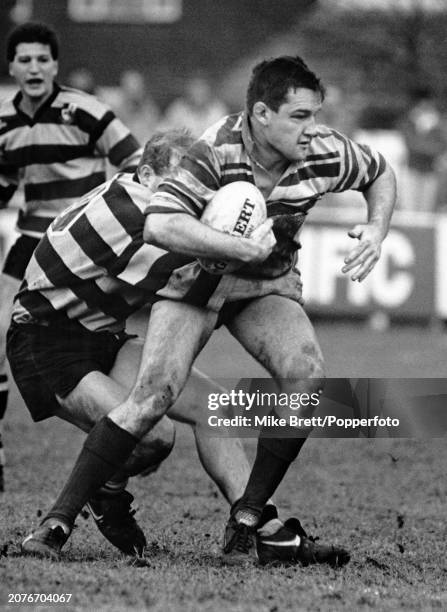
column 237, row 209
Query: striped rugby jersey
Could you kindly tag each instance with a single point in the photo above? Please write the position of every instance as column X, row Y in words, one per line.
column 60, row 154
column 93, row 266
column 227, row 153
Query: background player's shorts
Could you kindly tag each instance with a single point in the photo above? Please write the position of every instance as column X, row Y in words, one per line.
column 51, row 360
column 19, row 255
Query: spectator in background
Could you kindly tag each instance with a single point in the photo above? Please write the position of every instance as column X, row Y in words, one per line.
column 197, row 110
column 441, row 192
column 135, row 106
column 378, row 128
column 83, row 79
column 426, row 142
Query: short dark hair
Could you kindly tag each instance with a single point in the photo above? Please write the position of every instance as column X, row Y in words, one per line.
column 30, row 32
column 159, row 148
column 272, row 79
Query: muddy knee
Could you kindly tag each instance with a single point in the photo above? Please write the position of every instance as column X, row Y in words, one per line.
column 310, row 362
column 303, row 383
column 306, row 368
column 154, row 397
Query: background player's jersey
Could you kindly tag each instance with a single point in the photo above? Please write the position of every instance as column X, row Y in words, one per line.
column 60, row 154
column 224, row 154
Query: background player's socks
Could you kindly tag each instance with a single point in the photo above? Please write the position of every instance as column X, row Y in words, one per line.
column 273, row 457
column 4, row 390
column 105, row 450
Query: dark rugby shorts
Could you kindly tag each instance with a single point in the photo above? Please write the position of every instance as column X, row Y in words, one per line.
column 230, row 310
column 19, row 255
column 50, row 360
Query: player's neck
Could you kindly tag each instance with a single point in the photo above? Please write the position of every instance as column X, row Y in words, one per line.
column 31, row 105
column 266, row 155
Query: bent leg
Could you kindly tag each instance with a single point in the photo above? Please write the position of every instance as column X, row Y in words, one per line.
column 8, row 288
column 277, row 332
column 97, row 394
column 162, row 375
column 222, row 457
column 175, row 335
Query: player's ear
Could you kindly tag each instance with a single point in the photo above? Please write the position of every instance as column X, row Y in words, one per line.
column 261, row 112
column 146, row 175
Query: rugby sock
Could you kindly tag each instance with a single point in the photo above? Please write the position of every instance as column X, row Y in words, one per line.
column 4, row 390
column 105, row 450
column 113, row 486
column 273, row 457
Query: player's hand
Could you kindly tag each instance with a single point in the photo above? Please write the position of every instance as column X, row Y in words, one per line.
column 364, row 256
column 261, row 242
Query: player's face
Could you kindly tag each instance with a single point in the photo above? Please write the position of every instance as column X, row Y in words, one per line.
column 290, row 130
column 34, row 69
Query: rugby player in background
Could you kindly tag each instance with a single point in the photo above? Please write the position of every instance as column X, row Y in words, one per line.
column 54, row 143
column 277, row 145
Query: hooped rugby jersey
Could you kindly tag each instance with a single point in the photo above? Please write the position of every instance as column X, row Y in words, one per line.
column 59, row 154
column 226, row 153
column 93, row 266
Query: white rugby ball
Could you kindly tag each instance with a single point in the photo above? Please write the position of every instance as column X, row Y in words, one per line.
column 237, row 209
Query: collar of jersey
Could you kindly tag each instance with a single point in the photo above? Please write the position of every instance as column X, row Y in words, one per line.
column 35, row 118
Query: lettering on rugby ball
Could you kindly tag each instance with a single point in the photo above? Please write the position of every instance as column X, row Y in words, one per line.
column 237, row 209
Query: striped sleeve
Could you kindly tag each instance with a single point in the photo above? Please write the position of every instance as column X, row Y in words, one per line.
column 192, row 184
column 9, row 179
column 113, row 223
column 117, row 144
column 108, row 135
column 114, row 227
column 360, row 165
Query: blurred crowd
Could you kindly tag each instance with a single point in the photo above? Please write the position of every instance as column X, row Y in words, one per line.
column 195, row 110
column 413, row 139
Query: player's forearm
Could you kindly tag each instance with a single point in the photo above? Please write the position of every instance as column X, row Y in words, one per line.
column 182, row 233
column 381, row 198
